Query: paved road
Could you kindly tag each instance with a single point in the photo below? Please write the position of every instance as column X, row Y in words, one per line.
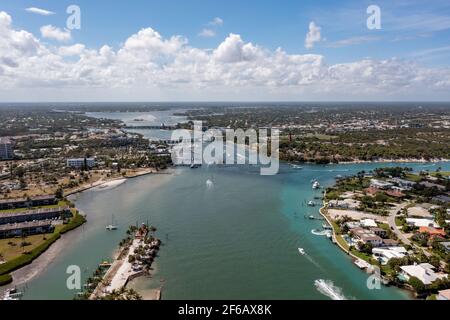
column 393, row 226
column 401, row 235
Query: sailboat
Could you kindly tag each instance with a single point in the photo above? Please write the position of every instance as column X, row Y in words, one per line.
column 112, row 226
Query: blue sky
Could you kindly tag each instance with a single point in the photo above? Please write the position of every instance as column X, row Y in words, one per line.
column 411, row 31
column 267, row 23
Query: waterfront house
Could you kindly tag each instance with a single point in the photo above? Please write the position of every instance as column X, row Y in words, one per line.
column 443, row 295
column 373, row 240
column 366, row 236
column 25, row 228
column 425, row 272
column 344, row 204
column 385, row 254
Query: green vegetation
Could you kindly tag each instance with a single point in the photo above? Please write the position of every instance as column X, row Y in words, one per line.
column 323, row 134
column 28, row 256
column 426, row 249
column 342, row 242
column 5, row 279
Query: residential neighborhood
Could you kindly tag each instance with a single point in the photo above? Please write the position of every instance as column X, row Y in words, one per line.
column 397, row 220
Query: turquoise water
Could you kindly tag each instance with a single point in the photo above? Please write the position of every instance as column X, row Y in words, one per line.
column 236, row 238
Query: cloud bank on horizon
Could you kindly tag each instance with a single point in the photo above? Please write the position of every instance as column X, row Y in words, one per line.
column 147, row 66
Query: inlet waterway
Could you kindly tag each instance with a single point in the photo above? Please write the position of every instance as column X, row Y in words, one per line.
column 228, row 233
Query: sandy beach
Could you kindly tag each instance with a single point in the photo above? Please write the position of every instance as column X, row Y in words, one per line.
column 109, row 184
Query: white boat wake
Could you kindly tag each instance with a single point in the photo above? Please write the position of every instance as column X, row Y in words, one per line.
column 327, row 288
column 320, row 232
column 209, row 184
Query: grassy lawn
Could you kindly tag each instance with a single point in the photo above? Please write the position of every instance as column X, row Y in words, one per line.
column 413, row 177
column 398, row 221
column 342, row 242
column 11, row 248
column 442, row 173
column 364, row 256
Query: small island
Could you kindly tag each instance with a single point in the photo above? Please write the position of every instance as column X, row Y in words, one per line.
column 134, row 259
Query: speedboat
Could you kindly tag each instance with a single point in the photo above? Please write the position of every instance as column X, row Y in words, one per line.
column 316, row 185
column 302, row 251
column 311, row 203
column 12, row 294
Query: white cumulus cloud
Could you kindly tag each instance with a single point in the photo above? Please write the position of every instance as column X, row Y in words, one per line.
column 73, row 50
column 207, row 33
column 312, row 36
column 216, row 22
column 148, row 66
column 55, row 33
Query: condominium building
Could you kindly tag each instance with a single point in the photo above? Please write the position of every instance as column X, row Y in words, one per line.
column 6, row 149
column 80, row 162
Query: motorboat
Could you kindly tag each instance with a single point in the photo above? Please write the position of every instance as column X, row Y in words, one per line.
column 302, row 251
column 12, row 294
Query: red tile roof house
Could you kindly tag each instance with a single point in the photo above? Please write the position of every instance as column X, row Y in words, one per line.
column 372, row 190
column 395, row 193
column 432, row 231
